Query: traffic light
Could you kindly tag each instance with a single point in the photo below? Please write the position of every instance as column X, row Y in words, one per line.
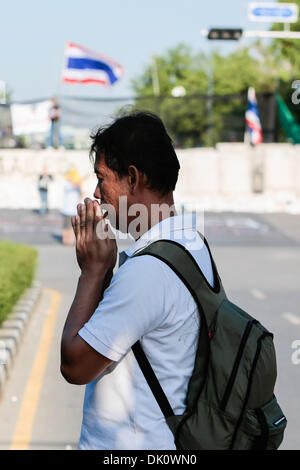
column 225, row 34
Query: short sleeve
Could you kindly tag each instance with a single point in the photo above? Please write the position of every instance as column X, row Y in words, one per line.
column 133, row 305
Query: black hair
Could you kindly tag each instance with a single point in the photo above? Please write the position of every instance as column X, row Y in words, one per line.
column 138, row 139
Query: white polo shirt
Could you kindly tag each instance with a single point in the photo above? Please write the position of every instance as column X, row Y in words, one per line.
column 145, row 301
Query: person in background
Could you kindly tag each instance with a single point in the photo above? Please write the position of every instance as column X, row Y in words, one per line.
column 72, row 195
column 55, row 139
column 43, row 182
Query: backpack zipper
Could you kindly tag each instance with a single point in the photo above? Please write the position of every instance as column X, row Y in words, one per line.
column 236, row 366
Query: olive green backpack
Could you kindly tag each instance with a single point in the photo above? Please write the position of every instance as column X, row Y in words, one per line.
column 230, row 402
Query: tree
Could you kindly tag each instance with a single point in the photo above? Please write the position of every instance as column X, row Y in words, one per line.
column 286, row 55
column 177, row 67
column 183, row 117
column 199, row 118
column 8, row 94
column 287, row 50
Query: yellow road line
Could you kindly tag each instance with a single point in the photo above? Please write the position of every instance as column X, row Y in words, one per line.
column 23, row 430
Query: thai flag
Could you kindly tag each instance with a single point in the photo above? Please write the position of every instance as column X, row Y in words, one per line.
column 252, row 119
column 82, row 65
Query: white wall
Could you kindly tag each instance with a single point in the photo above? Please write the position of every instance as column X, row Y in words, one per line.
column 215, row 179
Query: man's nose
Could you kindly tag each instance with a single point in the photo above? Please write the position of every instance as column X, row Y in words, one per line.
column 97, row 193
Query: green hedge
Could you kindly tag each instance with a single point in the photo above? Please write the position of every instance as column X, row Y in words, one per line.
column 17, row 267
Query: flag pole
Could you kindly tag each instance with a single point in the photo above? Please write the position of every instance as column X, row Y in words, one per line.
column 255, row 138
column 246, row 133
column 155, row 84
column 63, row 63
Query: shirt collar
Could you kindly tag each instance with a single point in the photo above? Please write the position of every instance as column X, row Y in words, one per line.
column 161, row 230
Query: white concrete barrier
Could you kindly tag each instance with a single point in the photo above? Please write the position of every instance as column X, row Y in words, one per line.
column 213, row 178
column 281, row 165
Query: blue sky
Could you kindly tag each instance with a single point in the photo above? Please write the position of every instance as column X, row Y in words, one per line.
column 33, row 34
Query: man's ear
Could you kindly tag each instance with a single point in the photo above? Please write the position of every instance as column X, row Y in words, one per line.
column 132, row 180
column 133, row 177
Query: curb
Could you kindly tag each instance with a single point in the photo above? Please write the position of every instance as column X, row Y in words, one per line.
column 13, row 328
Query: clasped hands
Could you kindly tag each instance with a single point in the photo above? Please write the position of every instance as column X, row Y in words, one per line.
column 96, row 247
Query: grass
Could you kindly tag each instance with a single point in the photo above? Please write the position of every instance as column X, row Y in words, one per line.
column 17, row 268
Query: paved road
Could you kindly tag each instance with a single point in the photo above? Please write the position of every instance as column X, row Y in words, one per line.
column 258, row 257
column 221, row 229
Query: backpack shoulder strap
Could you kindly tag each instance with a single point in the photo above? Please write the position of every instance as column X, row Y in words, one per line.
column 183, row 264
column 215, row 271
column 152, row 380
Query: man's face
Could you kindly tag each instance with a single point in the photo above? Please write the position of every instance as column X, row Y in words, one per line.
column 109, row 189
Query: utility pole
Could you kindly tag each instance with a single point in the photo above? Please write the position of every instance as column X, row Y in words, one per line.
column 155, row 80
column 155, row 83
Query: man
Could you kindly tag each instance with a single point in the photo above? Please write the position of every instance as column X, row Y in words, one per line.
column 55, row 139
column 43, row 183
column 135, row 161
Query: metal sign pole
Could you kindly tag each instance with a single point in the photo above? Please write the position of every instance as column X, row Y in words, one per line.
column 271, row 34
column 2, row 92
